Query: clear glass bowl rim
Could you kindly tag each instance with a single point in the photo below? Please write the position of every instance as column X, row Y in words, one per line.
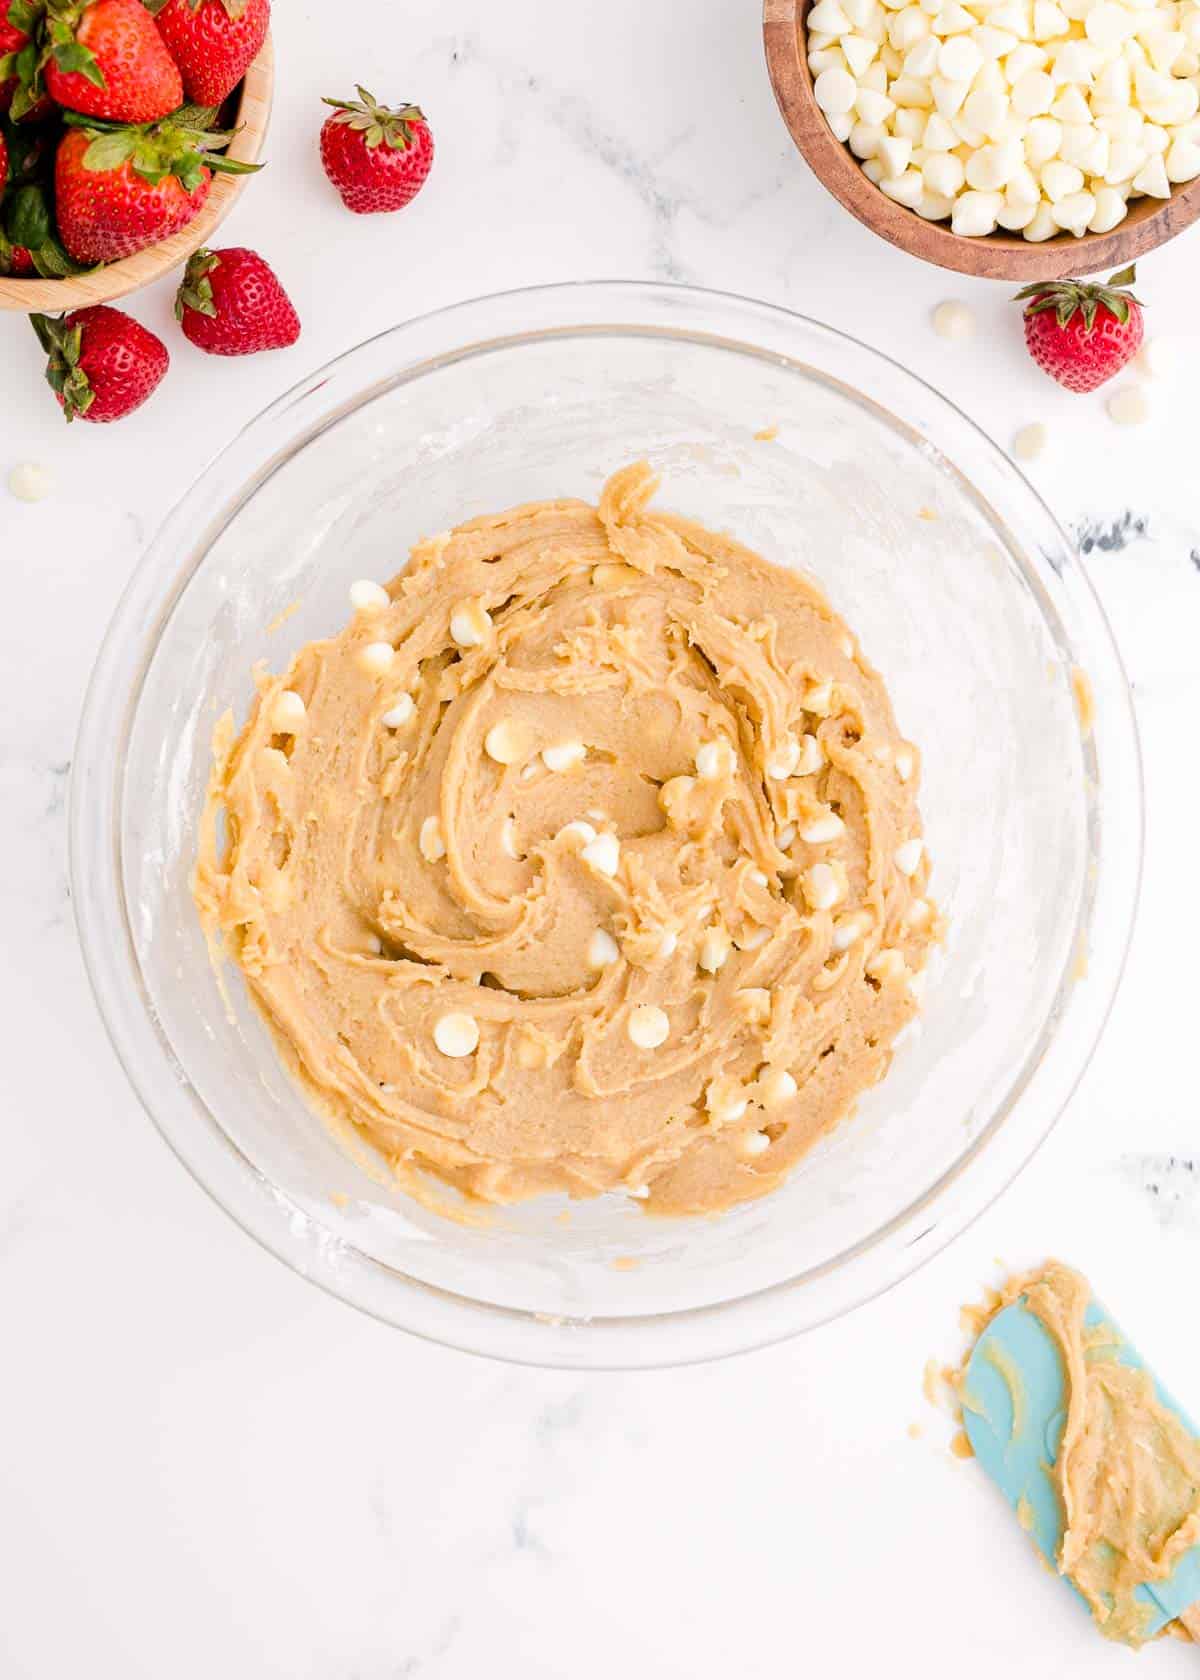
column 404, row 353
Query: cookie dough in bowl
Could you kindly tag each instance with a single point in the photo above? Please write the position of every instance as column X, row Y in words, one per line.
column 586, row 858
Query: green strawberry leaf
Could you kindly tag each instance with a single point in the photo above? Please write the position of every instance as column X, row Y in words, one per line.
column 232, row 166
column 154, row 6
column 73, row 58
column 27, row 217
column 23, row 15
column 52, row 262
column 110, row 150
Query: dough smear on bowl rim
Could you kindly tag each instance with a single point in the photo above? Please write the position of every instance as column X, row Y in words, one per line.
column 609, row 875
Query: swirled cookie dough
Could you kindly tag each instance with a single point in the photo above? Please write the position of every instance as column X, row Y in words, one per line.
column 587, row 857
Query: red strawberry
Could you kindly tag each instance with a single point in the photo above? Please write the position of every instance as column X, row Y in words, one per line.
column 214, row 42
column 15, row 261
column 231, row 304
column 12, row 39
column 103, row 364
column 1082, row 334
column 376, row 158
column 105, row 58
column 118, row 190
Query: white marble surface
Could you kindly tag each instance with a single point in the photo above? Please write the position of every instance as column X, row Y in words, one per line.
column 210, row 1468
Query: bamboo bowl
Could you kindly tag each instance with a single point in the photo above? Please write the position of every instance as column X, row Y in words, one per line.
column 999, row 256
column 118, row 279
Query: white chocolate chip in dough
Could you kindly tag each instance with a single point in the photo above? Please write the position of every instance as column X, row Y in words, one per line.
column 603, row 854
column 822, row 890
column 850, row 928
column 602, row 949
column 726, row 1101
column 505, row 742
column 715, row 946
column 430, row 842
column 375, row 658
column 754, row 1143
column 366, row 596
column 818, row 698
column 564, row 755
column 811, row 758
column 887, row 966
column 288, row 712
column 774, row 1087
column 782, row 761
column 456, row 1034
column 713, row 759
column 753, row 938
column 919, row 914
column 754, row 1002
column 469, row 624
column 400, row 713
column 786, row 838
column 508, row 838
column 668, row 944
column 822, row 829
column 905, row 763
column 648, row 1026
column 908, row 855
column 578, row 830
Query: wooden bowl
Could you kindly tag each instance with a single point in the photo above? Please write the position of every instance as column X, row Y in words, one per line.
column 117, row 279
column 999, row 256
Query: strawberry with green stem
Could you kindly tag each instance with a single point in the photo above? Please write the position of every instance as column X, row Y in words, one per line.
column 231, row 303
column 214, row 42
column 102, row 363
column 1082, row 333
column 120, row 188
column 104, row 58
column 376, row 157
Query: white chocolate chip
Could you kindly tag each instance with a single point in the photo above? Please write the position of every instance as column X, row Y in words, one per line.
column 366, row 596
column 30, row 482
column 821, row 830
column 774, row 1087
column 648, row 1026
column 1128, row 407
column 456, row 1034
column 755, row 1143
column 919, row 914
column 755, row 1004
column 1029, row 442
column 726, row 1101
column 753, row 938
column 578, row 830
column 818, row 698
column 375, row 658
column 508, row 837
column 564, row 755
column 713, row 759
column 714, row 949
column 908, row 855
column 505, row 742
column 602, row 949
column 786, row 838
column 668, row 943
column 758, row 876
column 400, row 714
column 849, row 928
column 811, row 758
column 430, row 842
column 822, row 890
column 603, row 854
column 288, row 712
column 887, row 966
column 905, row 763
column 469, row 624
column 952, row 319
column 782, row 762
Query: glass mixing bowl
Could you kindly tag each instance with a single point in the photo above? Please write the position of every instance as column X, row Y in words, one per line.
column 962, row 589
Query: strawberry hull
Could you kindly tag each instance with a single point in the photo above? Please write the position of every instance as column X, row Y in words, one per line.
column 132, row 78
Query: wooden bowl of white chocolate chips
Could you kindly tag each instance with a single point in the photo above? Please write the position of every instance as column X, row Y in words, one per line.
column 1009, row 139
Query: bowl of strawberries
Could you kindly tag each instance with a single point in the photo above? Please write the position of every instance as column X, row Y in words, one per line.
column 127, row 130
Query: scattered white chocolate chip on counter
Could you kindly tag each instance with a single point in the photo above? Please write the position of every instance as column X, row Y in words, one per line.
column 564, row 755
column 1030, row 441
column 469, row 624
column 456, row 1034
column 952, row 319
column 367, row 596
column 908, row 855
column 602, row 949
column 603, row 854
column 648, row 1026
column 430, row 842
column 376, row 658
column 288, row 711
column 401, row 712
column 505, row 743
column 30, row 482
column 1128, row 406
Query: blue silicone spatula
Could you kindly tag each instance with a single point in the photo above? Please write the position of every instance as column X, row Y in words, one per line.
column 1014, row 1413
